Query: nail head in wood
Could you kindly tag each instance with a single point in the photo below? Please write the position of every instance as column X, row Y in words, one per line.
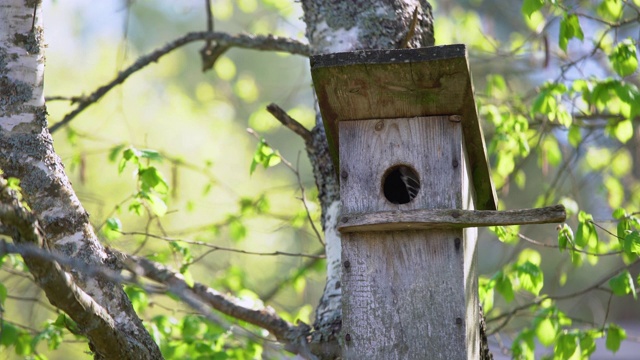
column 347, row 337
column 347, row 264
column 458, row 321
column 456, row 243
column 454, row 163
column 344, row 174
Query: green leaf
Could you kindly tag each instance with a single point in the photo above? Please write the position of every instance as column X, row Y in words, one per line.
column 10, row 334
column 575, row 136
column 138, row 298
column 150, row 178
column 504, row 286
column 531, row 6
column 565, row 237
column 631, row 243
column 622, row 284
column 615, row 335
column 3, row 294
column 237, row 230
column 150, row 154
column 546, row 331
column 623, row 130
column 112, row 229
column 115, row 151
column 523, row 346
column 188, row 277
column 530, row 277
column 569, row 28
column 566, row 346
column 588, row 342
column 507, row 234
column 486, row 293
column 265, row 156
column 623, row 58
column 130, row 155
column 586, row 233
column 156, row 204
column 619, row 213
column 610, row 9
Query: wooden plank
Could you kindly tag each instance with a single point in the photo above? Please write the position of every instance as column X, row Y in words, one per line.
column 427, row 144
column 380, row 84
column 407, row 294
column 423, row 219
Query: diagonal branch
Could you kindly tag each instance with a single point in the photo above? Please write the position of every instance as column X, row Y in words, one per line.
column 254, row 42
column 200, row 296
column 98, row 326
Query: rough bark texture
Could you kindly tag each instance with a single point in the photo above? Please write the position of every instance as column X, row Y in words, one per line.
column 337, row 26
column 100, row 307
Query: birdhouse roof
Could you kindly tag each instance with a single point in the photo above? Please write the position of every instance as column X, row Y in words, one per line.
column 383, row 84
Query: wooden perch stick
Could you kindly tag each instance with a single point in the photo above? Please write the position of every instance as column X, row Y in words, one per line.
column 448, row 218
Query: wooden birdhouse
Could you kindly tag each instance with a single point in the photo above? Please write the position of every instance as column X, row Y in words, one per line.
column 403, row 130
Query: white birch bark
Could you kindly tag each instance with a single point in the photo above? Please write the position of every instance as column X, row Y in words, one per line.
column 101, row 308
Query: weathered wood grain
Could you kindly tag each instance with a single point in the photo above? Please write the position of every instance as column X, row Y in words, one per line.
column 407, row 294
column 382, row 84
column 423, row 219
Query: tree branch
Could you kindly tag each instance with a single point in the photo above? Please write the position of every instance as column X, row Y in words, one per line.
column 105, row 339
column 289, row 122
column 294, row 337
column 254, row 42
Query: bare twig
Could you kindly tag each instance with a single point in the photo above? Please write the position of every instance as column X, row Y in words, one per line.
column 303, row 198
column 597, row 285
column 254, row 42
column 289, row 122
column 538, row 243
column 222, row 248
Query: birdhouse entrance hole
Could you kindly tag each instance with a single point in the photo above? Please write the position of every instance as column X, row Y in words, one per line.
column 400, row 184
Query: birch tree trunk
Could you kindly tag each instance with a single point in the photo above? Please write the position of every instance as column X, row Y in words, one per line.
column 100, row 307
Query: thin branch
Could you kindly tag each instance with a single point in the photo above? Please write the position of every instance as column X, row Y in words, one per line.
column 289, row 122
column 254, row 42
column 303, row 198
column 199, row 295
column 597, row 285
column 538, row 243
column 222, row 248
column 299, row 272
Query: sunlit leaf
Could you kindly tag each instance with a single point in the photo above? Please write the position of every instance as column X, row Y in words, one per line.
column 615, row 335
column 610, row 9
column 565, row 237
column 569, row 28
column 566, row 346
column 530, row 277
column 546, row 331
column 622, row 284
column 624, row 59
column 151, row 178
column 112, row 229
column 504, row 286
column 530, row 6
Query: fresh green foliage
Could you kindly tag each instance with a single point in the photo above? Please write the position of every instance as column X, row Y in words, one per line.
column 569, row 28
column 264, row 156
column 557, row 96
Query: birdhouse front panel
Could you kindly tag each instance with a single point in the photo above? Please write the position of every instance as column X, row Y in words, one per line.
column 401, row 164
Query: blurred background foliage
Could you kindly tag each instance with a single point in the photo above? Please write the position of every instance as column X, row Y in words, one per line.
column 162, row 164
